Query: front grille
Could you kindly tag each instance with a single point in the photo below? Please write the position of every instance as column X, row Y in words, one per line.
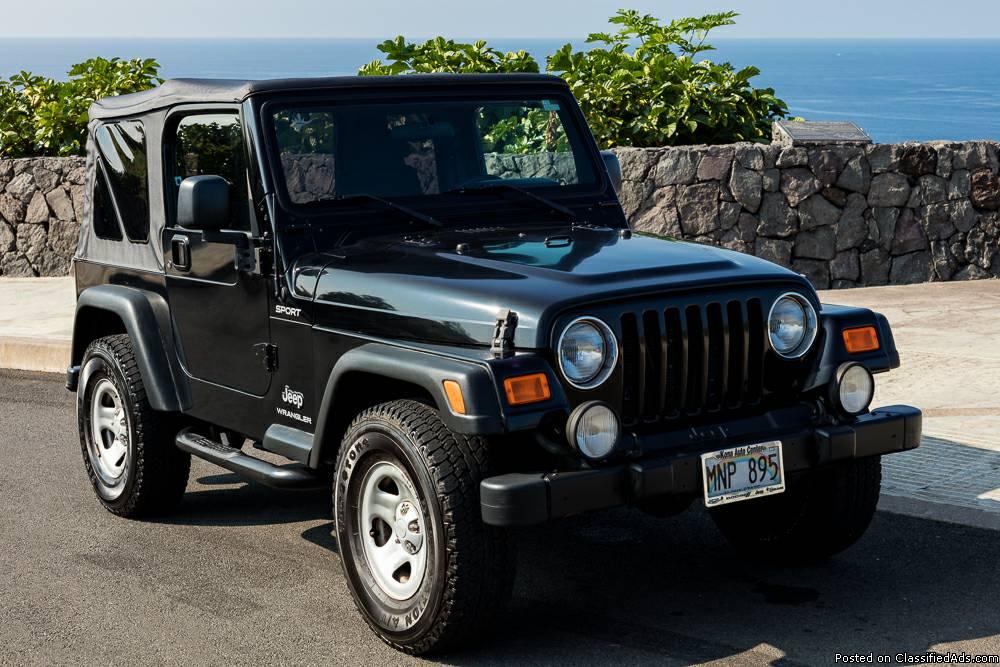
column 692, row 360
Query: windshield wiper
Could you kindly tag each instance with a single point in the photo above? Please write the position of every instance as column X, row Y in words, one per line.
column 387, row 205
column 494, row 187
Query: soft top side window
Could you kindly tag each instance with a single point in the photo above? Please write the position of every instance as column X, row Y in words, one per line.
column 212, row 144
column 106, row 225
column 122, row 148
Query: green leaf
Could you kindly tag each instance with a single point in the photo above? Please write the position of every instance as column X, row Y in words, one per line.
column 42, row 116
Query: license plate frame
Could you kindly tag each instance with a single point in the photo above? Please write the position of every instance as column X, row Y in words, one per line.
column 736, row 483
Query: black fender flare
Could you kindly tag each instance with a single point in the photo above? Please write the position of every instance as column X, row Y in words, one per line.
column 832, row 353
column 146, row 317
column 483, row 415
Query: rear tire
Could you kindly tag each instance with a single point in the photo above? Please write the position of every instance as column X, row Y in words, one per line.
column 821, row 514
column 407, row 491
column 128, row 448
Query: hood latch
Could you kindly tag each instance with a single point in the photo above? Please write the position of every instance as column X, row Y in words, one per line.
column 503, row 334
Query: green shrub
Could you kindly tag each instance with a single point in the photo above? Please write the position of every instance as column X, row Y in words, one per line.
column 645, row 86
column 42, row 116
column 640, row 86
column 16, row 114
column 445, row 55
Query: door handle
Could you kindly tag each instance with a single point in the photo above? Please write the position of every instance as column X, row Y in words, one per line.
column 180, row 253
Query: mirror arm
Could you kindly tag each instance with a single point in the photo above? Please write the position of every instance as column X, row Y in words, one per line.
column 613, row 167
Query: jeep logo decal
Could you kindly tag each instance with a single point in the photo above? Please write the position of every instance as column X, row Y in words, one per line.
column 292, row 397
column 286, row 310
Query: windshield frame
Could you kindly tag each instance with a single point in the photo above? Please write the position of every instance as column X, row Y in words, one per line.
column 581, row 140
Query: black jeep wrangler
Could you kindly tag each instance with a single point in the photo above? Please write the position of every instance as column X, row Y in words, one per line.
column 422, row 294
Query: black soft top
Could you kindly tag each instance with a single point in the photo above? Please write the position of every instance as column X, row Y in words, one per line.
column 193, row 91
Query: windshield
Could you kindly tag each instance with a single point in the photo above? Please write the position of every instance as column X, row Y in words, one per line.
column 423, row 149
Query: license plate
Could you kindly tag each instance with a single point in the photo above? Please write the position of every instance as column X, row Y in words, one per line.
column 742, row 473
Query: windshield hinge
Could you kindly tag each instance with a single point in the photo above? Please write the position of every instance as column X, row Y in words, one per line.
column 503, row 334
column 267, row 354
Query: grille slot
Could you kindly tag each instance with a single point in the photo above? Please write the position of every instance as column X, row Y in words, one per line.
column 692, row 360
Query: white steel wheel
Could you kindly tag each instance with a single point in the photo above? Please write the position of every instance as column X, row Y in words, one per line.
column 425, row 571
column 128, row 448
column 108, row 445
column 391, row 514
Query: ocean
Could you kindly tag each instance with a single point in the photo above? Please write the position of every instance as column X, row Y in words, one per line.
column 897, row 90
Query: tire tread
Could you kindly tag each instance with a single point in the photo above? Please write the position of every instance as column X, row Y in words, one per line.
column 479, row 572
column 161, row 470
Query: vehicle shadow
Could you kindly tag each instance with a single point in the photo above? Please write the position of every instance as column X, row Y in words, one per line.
column 322, row 536
column 622, row 586
column 227, row 500
column 673, row 592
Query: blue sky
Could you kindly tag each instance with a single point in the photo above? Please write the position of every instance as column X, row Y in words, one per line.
column 496, row 18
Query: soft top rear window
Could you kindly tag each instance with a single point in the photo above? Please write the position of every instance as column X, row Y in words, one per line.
column 122, row 148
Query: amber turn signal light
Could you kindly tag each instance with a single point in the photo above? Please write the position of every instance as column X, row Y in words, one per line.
column 861, row 339
column 453, row 392
column 526, row 389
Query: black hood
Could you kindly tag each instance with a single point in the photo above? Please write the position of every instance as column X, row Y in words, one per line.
column 447, row 287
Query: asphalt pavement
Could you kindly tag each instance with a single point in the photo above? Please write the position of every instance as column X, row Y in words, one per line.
column 244, row 574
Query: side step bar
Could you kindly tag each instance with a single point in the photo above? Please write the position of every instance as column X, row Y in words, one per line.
column 292, row 476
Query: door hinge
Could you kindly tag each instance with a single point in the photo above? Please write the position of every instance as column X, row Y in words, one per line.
column 503, row 334
column 248, row 260
column 267, row 354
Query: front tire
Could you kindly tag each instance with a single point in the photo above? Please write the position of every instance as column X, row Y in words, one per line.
column 820, row 515
column 425, row 571
column 128, row 448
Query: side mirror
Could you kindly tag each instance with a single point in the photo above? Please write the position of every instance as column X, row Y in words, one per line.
column 614, row 168
column 203, row 203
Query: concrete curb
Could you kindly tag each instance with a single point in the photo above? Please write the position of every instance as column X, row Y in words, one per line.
column 925, row 509
column 34, row 354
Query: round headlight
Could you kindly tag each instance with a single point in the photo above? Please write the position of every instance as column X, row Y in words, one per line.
column 791, row 325
column 855, row 388
column 587, row 352
column 593, row 430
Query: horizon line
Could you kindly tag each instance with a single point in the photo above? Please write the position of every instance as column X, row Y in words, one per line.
column 22, row 37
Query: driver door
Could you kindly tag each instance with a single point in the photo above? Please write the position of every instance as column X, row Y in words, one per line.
column 220, row 313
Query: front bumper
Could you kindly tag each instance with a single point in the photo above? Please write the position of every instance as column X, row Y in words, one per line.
column 520, row 499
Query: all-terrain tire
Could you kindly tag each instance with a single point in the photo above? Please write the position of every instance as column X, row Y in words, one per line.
column 469, row 570
column 154, row 471
column 819, row 515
